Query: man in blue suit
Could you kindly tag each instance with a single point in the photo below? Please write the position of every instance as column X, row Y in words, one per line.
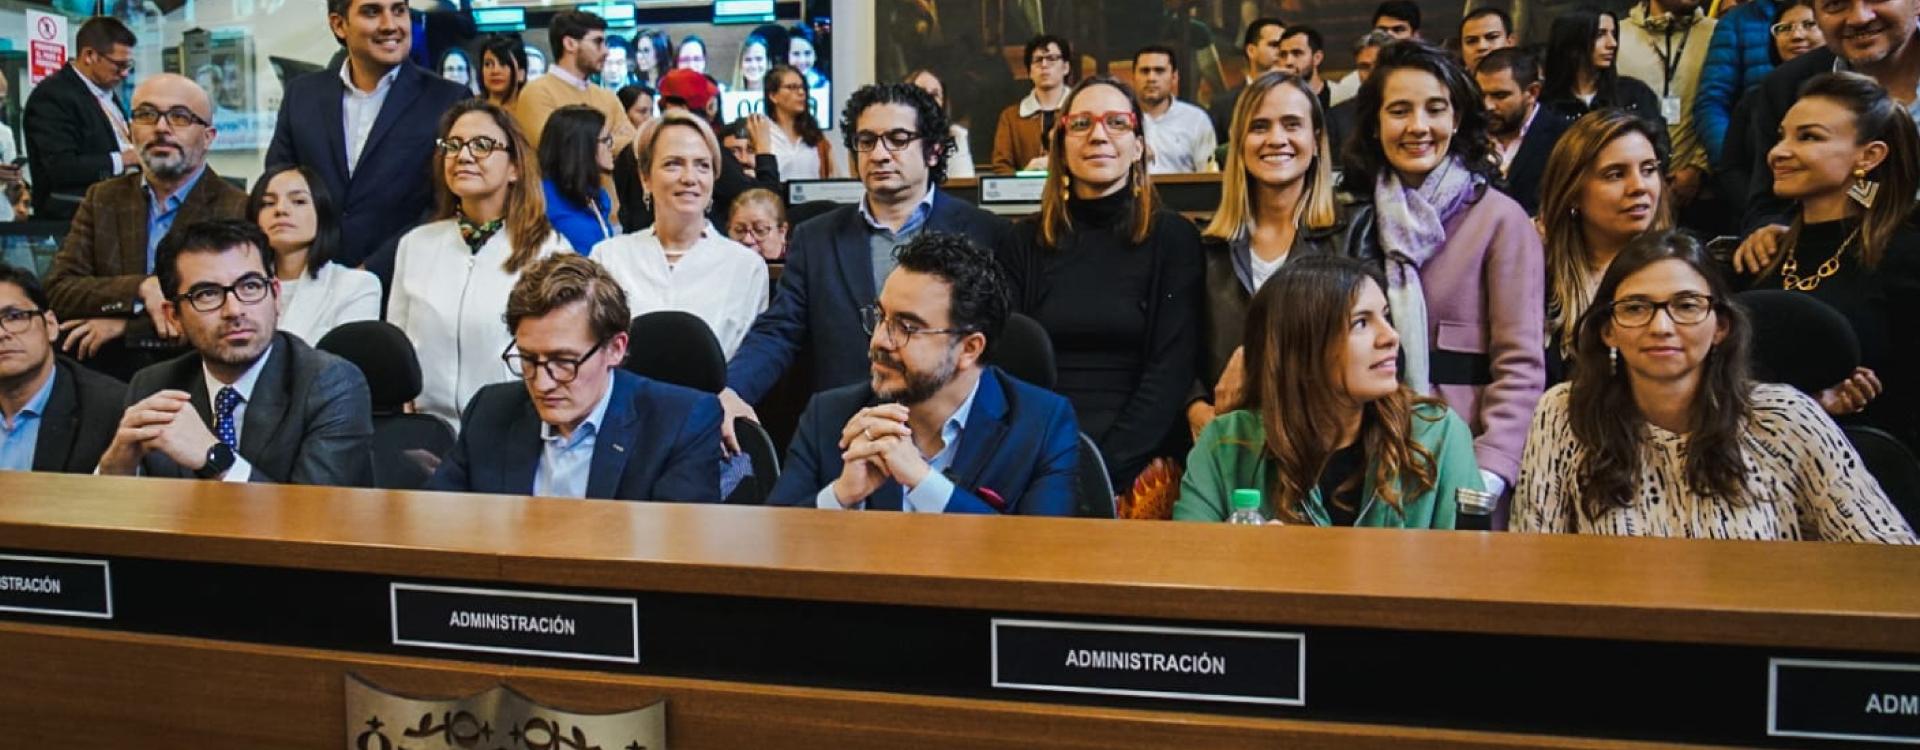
column 579, row 426
column 836, row 263
column 935, row 430
column 367, row 128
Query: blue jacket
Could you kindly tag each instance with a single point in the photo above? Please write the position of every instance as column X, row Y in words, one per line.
column 1737, row 58
column 1020, row 443
column 577, row 222
column 656, row 442
column 828, row 279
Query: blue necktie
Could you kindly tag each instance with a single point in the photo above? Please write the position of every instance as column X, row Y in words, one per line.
column 223, row 406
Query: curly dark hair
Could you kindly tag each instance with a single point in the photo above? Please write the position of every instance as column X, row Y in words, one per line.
column 981, row 301
column 1366, row 158
column 930, row 121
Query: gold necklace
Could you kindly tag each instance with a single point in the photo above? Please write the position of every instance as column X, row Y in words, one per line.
column 1791, row 280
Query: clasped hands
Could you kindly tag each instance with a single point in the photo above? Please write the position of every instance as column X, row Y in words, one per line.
column 165, row 422
column 877, row 445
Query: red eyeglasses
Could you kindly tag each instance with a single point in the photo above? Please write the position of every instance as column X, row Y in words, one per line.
column 1116, row 122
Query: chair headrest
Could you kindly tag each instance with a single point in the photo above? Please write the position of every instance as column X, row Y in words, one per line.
column 1025, row 351
column 1799, row 340
column 673, row 346
column 383, row 354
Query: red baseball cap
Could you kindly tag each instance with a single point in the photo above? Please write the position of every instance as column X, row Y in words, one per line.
column 690, row 87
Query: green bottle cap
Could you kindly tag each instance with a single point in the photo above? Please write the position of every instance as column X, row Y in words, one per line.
column 1246, row 499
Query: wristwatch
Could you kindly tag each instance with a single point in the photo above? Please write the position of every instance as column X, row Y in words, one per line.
column 219, row 460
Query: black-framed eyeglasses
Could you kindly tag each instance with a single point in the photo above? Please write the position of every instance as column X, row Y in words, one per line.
column 1684, row 309
column 480, row 146
column 16, row 320
column 900, row 332
column 896, row 139
column 122, row 66
column 561, row 369
column 178, row 117
column 210, row 297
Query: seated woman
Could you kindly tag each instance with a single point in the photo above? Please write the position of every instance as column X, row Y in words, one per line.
column 576, row 152
column 1661, row 433
column 1330, row 436
column 1276, row 204
column 682, row 262
column 960, row 162
column 759, row 221
column 1847, row 159
column 1114, row 278
column 1604, row 185
column 291, row 205
column 452, row 275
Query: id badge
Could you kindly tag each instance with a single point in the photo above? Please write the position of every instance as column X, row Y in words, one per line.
column 1670, row 109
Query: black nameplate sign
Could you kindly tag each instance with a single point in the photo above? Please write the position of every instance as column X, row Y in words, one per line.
column 1843, row 700
column 1231, row 666
column 530, row 623
column 56, row 586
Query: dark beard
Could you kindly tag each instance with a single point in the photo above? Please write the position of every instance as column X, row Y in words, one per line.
column 920, row 386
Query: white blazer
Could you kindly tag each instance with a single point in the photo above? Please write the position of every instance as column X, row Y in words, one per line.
column 449, row 302
column 719, row 281
column 311, row 307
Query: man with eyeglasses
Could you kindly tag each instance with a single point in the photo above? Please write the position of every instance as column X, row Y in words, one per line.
column 579, row 41
column 837, row 262
column 1020, row 137
column 103, row 280
column 577, row 425
column 55, row 415
column 249, row 403
column 75, row 124
column 935, row 429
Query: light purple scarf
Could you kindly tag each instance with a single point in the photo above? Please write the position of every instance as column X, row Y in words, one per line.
column 1412, row 228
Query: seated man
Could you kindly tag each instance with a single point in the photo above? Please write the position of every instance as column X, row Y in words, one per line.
column 579, row 426
column 936, row 430
column 58, row 416
column 248, row 404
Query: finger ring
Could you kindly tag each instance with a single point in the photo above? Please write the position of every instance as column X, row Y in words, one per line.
column 867, row 431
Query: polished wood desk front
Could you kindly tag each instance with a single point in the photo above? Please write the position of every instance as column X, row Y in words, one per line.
column 253, row 601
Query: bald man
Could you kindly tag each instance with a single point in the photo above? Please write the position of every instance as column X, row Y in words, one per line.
column 102, row 283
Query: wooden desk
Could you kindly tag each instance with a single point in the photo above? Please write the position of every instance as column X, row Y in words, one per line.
column 238, row 609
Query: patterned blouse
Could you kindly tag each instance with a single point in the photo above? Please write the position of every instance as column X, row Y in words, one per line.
column 1804, row 481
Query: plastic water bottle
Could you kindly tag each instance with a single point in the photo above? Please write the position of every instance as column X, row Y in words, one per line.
column 1246, row 508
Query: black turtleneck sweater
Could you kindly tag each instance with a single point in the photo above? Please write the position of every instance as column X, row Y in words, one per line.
column 1125, row 323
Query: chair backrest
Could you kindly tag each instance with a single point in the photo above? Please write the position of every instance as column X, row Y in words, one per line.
column 1896, row 468
column 1096, row 490
column 1025, row 351
column 758, row 446
column 673, row 346
column 801, row 212
column 384, row 355
column 1799, row 340
column 407, row 448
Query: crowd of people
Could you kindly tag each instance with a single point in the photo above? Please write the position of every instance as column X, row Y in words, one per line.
column 1483, row 271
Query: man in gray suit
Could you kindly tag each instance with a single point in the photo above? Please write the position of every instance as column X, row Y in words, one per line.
column 249, row 404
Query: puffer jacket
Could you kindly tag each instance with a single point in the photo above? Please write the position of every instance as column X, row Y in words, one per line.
column 1737, row 58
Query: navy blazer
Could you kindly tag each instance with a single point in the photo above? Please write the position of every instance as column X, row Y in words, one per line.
column 390, row 191
column 656, row 442
column 70, row 143
column 1020, row 443
column 827, row 280
column 1530, row 162
column 80, row 418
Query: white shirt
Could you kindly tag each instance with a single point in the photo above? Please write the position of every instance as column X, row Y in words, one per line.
column 111, row 109
column 360, row 109
column 449, row 302
column 7, row 156
column 798, row 161
column 241, row 470
column 960, row 162
column 1263, row 270
column 1344, row 89
column 718, row 280
column 310, row 307
column 1181, row 140
column 567, row 461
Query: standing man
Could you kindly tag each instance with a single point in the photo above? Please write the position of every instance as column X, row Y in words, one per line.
column 1664, row 43
column 1739, row 56
column 248, row 404
column 579, row 39
column 1179, row 135
column 1020, row 137
column 1365, row 51
column 1523, row 132
column 55, row 415
column 1400, row 19
column 1302, row 49
column 367, row 128
column 77, row 131
column 1483, row 31
column 1262, row 48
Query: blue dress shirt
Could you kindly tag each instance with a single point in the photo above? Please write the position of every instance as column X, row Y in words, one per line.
column 160, row 214
column 19, row 435
column 566, row 461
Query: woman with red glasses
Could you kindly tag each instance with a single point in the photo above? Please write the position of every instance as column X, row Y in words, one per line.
column 1114, row 278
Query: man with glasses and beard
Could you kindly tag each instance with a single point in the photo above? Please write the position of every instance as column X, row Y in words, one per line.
column 103, row 281
column 935, row 429
column 248, row 404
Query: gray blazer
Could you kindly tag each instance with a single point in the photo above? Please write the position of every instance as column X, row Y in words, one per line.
column 310, row 420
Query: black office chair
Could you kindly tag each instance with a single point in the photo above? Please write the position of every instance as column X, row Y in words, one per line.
column 676, row 347
column 1096, row 490
column 1896, row 468
column 758, row 446
column 406, row 447
column 1025, row 351
column 1799, row 340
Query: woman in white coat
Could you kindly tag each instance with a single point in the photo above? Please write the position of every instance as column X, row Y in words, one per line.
column 292, row 207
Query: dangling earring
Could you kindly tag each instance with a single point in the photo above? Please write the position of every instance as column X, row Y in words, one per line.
column 1613, row 359
column 647, row 198
column 1863, row 190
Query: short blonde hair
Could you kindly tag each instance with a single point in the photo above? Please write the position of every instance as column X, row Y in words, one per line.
column 761, row 197
column 645, row 145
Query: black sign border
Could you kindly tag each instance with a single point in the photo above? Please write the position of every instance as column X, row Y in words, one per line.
column 1773, row 697
column 393, row 616
column 106, row 578
column 1299, row 639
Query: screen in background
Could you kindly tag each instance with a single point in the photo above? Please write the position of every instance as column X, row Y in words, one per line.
column 742, row 11
column 737, row 104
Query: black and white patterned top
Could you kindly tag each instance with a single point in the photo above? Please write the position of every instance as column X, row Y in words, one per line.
column 1804, row 481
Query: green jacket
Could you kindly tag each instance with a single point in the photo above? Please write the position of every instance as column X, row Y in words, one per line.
column 1230, row 455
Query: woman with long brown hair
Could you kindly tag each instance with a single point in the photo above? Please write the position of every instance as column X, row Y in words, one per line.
column 451, row 276
column 799, row 144
column 1661, row 432
column 1330, row 436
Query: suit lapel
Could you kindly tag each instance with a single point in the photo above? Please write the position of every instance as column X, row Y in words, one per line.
column 986, row 425
column 614, row 439
column 333, row 123
column 856, row 259
column 519, row 453
column 58, row 422
column 199, row 203
column 267, row 407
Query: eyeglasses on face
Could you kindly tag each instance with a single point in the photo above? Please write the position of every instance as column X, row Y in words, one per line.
column 1048, row 58
column 210, row 297
column 480, row 146
column 123, row 65
column 1685, row 309
column 16, row 320
column 178, row 117
column 896, row 139
column 757, row 231
column 899, row 332
column 1116, row 122
column 561, row 369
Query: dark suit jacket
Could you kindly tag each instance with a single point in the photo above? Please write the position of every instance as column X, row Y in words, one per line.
column 1020, row 443
column 1221, row 109
column 656, row 442
column 103, row 259
column 828, row 278
column 310, row 420
column 70, row 143
column 82, row 414
column 1523, row 178
column 390, row 191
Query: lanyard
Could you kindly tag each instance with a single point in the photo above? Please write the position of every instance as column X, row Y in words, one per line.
column 1670, row 58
